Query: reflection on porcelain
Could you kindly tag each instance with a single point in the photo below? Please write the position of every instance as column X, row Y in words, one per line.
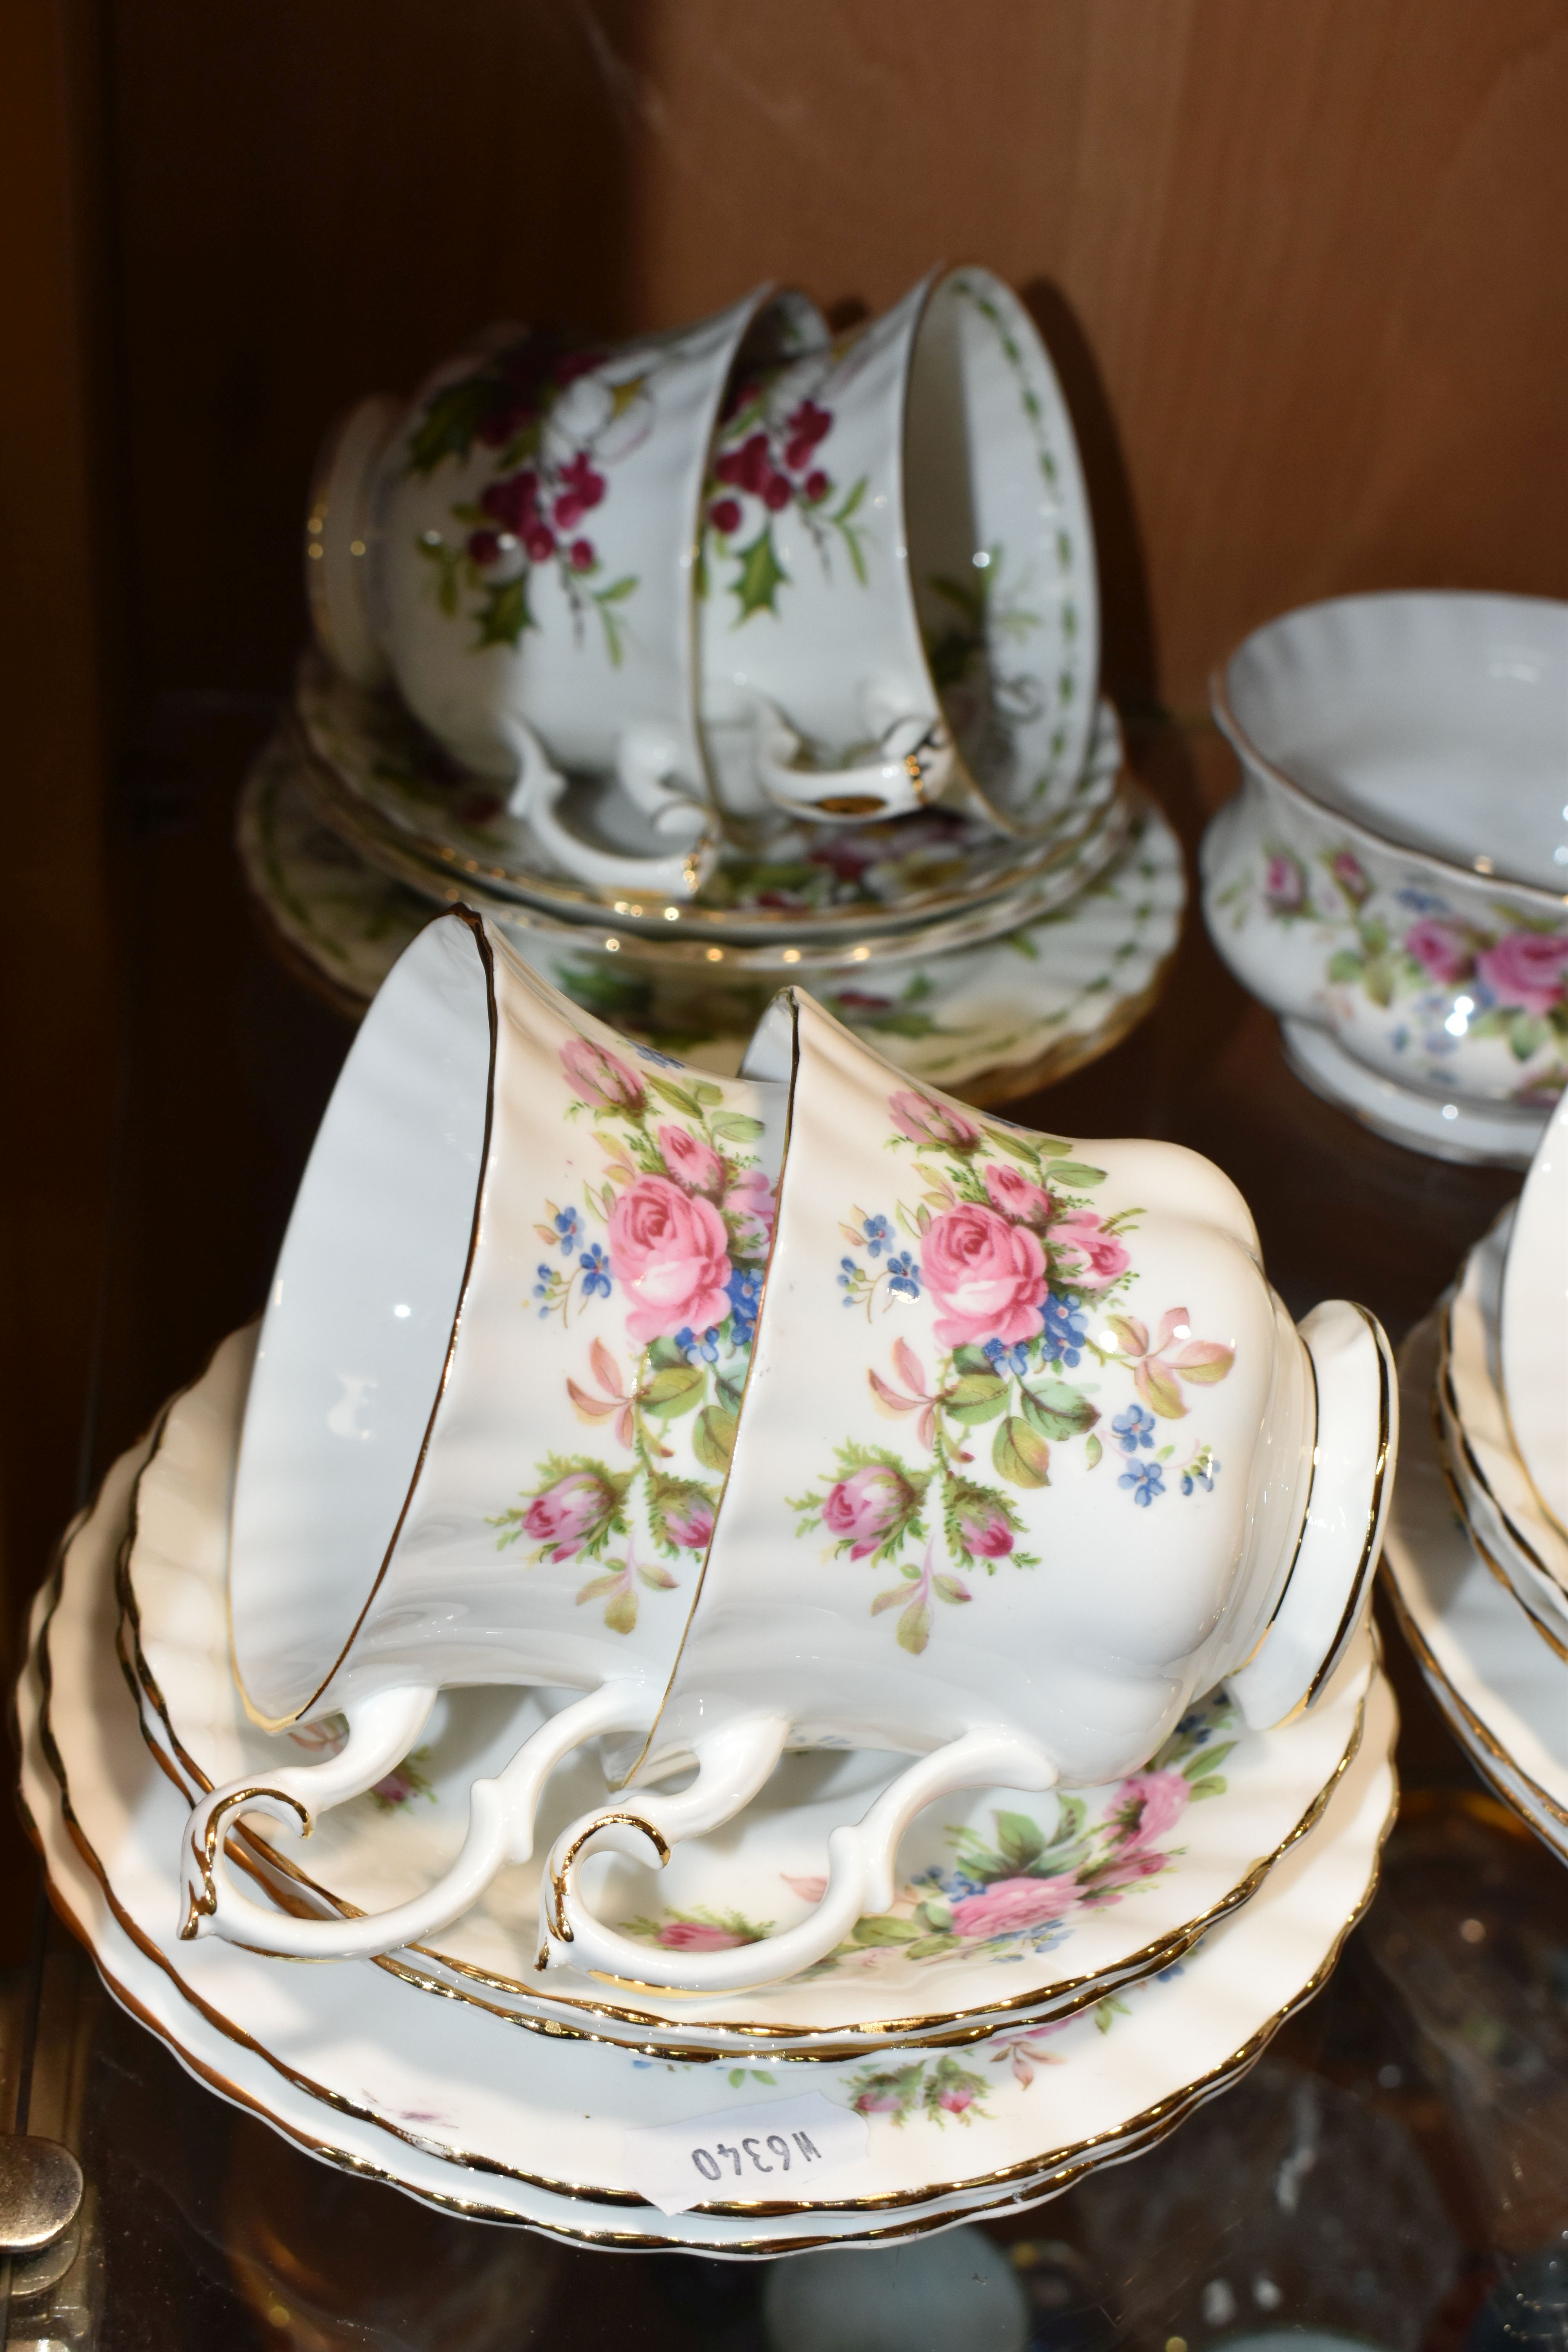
column 1500, row 1685
column 1393, row 871
column 516, row 549
column 818, row 890
column 971, row 1343
column 898, row 594
column 990, row 1020
column 998, row 1911
column 1532, row 1347
column 507, row 1227
column 528, row 2130
column 1495, row 1491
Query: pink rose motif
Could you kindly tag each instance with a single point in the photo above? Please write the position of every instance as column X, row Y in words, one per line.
column 569, row 1514
column 1285, row 883
column 1010, row 1905
column 670, row 1250
column 1125, row 1870
column 601, row 1077
column 864, row 1505
column 1351, row 877
column 1101, row 1256
column 955, row 2098
column 690, row 1161
column 924, row 1121
column 691, row 1523
column 696, row 1935
column 1147, row 1805
column 878, row 2103
column 988, row 1276
column 1012, row 1195
column 1526, row 969
column 990, row 1540
column 1441, row 949
column 750, row 1201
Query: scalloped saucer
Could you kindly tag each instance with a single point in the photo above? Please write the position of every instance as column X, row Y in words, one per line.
column 1503, row 1689
column 381, row 781
column 428, row 2094
column 1049, row 1914
column 988, row 1022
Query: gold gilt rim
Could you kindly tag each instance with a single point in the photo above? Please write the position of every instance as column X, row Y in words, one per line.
column 1455, row 1702
column 252, row 1852
column 1444, row 1384
column 1166, row 2112
column 1367, row 1564
column 1478, row 1543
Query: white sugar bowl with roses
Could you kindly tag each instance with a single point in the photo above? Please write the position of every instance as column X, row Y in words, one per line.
column 1391, row 877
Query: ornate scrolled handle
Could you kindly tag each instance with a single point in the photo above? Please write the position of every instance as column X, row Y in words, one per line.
column 915, row 763
column 500, row 1826
column 732, row 1766
column 647, row 758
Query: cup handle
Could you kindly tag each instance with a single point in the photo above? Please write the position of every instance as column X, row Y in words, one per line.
column 645, row 760
column 500, row 1825
column 915, row 763
column 732, row 1766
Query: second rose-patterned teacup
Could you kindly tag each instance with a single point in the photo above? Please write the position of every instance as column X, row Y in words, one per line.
column 493, row 1405
column 1030, row 1456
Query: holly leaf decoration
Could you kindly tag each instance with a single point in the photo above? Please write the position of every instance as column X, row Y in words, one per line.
column 505, row 613
column 761, row 576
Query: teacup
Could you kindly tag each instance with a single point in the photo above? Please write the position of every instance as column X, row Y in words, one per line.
column 1390, row 879
column 975, row 1354
column 493, row 1402
column 516, row 549
column 898, row 597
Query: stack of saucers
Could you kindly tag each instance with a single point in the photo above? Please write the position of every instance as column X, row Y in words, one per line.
column 1478, row 1542
column 724, row 659
column 418, row 1606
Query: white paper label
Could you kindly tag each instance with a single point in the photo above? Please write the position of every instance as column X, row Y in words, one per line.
column 744, row 2154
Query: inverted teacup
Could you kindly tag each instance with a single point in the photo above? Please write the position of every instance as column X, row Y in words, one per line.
column 1057, row 1463
column 516, row 549
column 899, row 584
column 493, row 1402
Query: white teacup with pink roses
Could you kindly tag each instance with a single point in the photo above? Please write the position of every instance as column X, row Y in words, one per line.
column 1057, row 1463
column 1390, row 879
column 492, row 1410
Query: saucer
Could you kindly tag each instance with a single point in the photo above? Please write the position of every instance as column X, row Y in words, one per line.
column 1004, row 1906
column 1503, row 1688
column 987, row 1022
column 1487, row 1462
column 378, row 778
column 432, row 2095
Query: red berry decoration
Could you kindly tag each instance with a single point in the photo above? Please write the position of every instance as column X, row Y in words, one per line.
column 540, row 542
column 724, row 515
column 483, row 546
column 582, row 552
column 777, row 493
column 818, row 486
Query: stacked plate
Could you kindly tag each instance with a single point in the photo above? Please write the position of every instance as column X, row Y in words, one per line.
column 1107, row 1966
column 808, row 695
column 1477, row 1545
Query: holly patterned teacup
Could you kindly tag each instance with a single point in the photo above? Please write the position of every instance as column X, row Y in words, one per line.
column 493, row 1405
column 898, row 596
column 517, row 549
column 1030, row 1457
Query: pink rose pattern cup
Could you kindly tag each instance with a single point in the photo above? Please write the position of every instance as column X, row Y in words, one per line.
column 1026, row 1277
column 1022, row 1892
column 672, row 1248
column 1447, row 977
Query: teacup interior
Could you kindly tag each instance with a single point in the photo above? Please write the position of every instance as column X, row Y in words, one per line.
column 982, row 535
column 1439, row 721
column 359, row 1320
